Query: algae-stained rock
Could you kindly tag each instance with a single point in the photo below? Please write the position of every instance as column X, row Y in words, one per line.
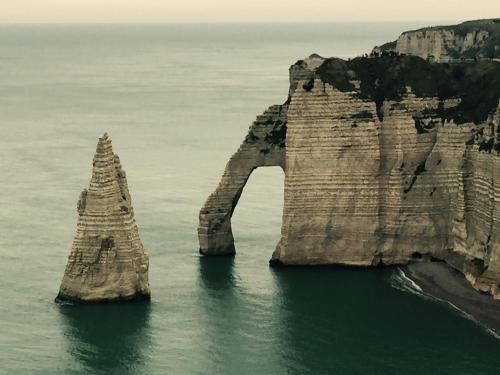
column 107, row 261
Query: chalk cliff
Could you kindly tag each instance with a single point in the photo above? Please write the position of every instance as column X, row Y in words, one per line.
column 107, row 261
column 469, row 40
column 386, row 159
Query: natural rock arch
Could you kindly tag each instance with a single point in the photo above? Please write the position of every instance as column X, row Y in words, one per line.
column 375, row 175
column 264, row 146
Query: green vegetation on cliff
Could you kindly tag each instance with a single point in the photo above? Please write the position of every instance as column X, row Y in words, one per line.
column 492, row 25
column 484, row 46
column 477, row 85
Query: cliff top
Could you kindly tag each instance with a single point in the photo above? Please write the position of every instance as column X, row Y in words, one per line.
column 477, row 85
column 491, row 25
column 471, row 40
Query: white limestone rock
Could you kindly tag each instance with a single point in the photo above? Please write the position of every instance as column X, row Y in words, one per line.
column 107, row 261
column 375, row 182
column 469, row 40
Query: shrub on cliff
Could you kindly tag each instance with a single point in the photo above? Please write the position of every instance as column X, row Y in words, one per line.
column 387, row 77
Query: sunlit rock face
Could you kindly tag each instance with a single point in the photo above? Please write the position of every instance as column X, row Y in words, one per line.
column 472, row 39
column 386, row 159
column 107, row 261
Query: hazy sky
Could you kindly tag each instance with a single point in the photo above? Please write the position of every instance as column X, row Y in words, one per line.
column 244, row 10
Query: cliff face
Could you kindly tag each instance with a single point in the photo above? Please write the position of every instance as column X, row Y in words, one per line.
column 386, row 160
column 107, row 261
column 472, row 39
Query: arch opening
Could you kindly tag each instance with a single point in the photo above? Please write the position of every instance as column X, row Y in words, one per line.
column 264, row 146
column 256, row 223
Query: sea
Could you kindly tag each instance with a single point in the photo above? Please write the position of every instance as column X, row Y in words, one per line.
column 177, row 100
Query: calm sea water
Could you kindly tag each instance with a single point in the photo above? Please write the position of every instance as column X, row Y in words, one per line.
column 177, row 100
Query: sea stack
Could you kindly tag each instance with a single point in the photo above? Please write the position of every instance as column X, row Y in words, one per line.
column 108, row 262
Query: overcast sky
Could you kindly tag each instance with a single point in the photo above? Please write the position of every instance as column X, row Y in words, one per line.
column 244, row 10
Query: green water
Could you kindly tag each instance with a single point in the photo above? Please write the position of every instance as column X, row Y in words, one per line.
column 177, row 100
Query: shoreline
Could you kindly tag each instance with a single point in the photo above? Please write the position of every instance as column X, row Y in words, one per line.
column 439, row 280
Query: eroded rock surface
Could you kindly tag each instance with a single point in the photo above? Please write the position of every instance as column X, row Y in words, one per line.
column 107, row 261
column 264, row 145
column 386, row 159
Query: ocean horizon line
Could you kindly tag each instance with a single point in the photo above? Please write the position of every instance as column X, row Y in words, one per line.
column 308, row 22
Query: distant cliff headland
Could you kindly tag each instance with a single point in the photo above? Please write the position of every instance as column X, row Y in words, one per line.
column 469, row 40
column 387, row 158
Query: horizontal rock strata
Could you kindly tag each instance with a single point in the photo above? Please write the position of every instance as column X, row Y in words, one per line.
column 386, row 160
column 468, row 40
column 107, row 261
column 264, row 145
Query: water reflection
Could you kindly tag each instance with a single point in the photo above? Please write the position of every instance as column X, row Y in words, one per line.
column 330, row 318
column 221, row 318
column 326, row 317
column 108, row 338
column 216, row 273
column 301, row 312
